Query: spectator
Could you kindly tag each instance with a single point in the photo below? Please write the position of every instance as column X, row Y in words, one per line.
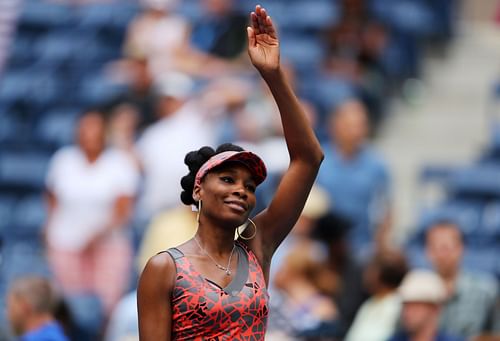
column 158, row 35
column 356, row 178
column 90, row 193
column 333, row 230
column 471, row 297
column 221, row 31
column 182, row 126
column 134, row 71
column 377, row 318
column 305, row 289
column 31, row 302
column 423, row 293
column 123, row 129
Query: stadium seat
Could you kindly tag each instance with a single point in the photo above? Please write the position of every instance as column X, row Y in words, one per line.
column 56, row 128
column 27, row 219
column 480, row 181
column 45, row 15
column 466, row 214
column 23, row 169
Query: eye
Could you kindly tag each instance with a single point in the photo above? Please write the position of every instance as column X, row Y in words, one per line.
column 251, row 188
column 227, row 179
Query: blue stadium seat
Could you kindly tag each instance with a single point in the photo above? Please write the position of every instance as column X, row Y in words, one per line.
column 482, row 260
column 24, row 170
column 39, row 87
column 408, row 16
column 490, row 222
column 466, row 214
column 45, row 14
column 97, row 89
column 308, row 15
column 56, row 128
column 7, row 203
column 303, row 51
column 115, row 15
column 480, row 181
column 27, row 219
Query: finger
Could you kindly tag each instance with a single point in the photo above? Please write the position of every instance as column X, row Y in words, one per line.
column 270, row 27
column 261, row 20
column 268, row 24
column 255, row 22
column 251, row 36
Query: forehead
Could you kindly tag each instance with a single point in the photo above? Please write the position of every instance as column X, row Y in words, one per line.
column 444, row 231
column 233, row 167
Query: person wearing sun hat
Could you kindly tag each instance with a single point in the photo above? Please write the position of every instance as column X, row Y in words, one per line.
column 423, row 294
column 213, row 286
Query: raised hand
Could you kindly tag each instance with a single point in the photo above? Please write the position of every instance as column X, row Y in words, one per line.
column 263, row 42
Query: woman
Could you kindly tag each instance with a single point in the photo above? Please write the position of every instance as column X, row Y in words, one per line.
column 212, row 287
column 90, row 191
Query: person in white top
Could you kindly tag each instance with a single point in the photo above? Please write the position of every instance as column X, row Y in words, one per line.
column 90, row 191
column 182, row 127
column 377, row 319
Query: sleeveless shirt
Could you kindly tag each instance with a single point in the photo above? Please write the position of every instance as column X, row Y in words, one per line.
column 202, row 310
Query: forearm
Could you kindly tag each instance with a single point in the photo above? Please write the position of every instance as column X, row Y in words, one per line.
column 300, row 138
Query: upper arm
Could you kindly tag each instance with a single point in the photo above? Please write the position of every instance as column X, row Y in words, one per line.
column 286, row 206
column 154, row 298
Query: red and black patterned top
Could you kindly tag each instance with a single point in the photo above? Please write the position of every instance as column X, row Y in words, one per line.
column 202, row 310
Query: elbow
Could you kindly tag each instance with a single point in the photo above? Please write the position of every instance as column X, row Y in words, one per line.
column 317, row 157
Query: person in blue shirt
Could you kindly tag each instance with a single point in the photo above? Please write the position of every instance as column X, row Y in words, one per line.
column 30, row 306
column 356, row 177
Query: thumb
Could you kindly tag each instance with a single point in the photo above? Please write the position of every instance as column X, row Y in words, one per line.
column 251, row 36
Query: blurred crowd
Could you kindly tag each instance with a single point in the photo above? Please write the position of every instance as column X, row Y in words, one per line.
column 101, row 100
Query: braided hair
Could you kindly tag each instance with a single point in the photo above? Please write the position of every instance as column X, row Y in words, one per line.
column 194, row 160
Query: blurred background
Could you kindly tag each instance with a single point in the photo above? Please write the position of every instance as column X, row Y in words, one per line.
column 101, row 99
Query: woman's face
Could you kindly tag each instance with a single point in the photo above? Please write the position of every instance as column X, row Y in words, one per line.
column 91, row 133
column 228, row 194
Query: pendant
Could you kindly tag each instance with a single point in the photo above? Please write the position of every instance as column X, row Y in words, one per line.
column 228, row 272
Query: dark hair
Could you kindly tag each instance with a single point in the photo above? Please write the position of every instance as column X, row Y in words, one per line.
column 194, row 160
column 450, row 223
column 392, row 266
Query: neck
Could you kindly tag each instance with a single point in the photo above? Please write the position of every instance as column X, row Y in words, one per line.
column 383, row 292
column 38, row 321
column 91, row 156
column 347, row 151
column 217, row 241
column 428, row 331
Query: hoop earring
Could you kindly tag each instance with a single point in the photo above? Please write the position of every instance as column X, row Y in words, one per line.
column 250, row 221
column 199, row 211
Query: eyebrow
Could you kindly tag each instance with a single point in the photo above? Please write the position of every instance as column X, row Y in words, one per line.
column 232, row 171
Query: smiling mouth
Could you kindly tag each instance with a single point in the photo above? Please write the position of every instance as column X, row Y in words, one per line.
column 238, row 206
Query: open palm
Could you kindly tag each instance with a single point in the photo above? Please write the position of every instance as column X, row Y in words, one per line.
column 263, row 43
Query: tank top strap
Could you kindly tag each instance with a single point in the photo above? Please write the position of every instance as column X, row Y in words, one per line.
column 175, row 253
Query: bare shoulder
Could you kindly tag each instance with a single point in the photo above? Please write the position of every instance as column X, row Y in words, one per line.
column 159, row 271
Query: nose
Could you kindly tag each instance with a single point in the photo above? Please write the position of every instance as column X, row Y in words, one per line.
column 240, row 191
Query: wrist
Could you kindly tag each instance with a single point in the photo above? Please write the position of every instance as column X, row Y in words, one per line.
column 271, row 74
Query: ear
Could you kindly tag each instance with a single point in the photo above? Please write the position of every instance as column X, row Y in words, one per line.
column 196, row 193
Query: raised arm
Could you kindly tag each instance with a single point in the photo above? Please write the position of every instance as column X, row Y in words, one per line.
column 305, row 152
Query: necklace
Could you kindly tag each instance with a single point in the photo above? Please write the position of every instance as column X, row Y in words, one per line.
column 227, row 268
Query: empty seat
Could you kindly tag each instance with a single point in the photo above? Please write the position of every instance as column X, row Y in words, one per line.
column 25, row 170
column 45, row 14
column 27, row 219
column 56, row 128
column 479, row 181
